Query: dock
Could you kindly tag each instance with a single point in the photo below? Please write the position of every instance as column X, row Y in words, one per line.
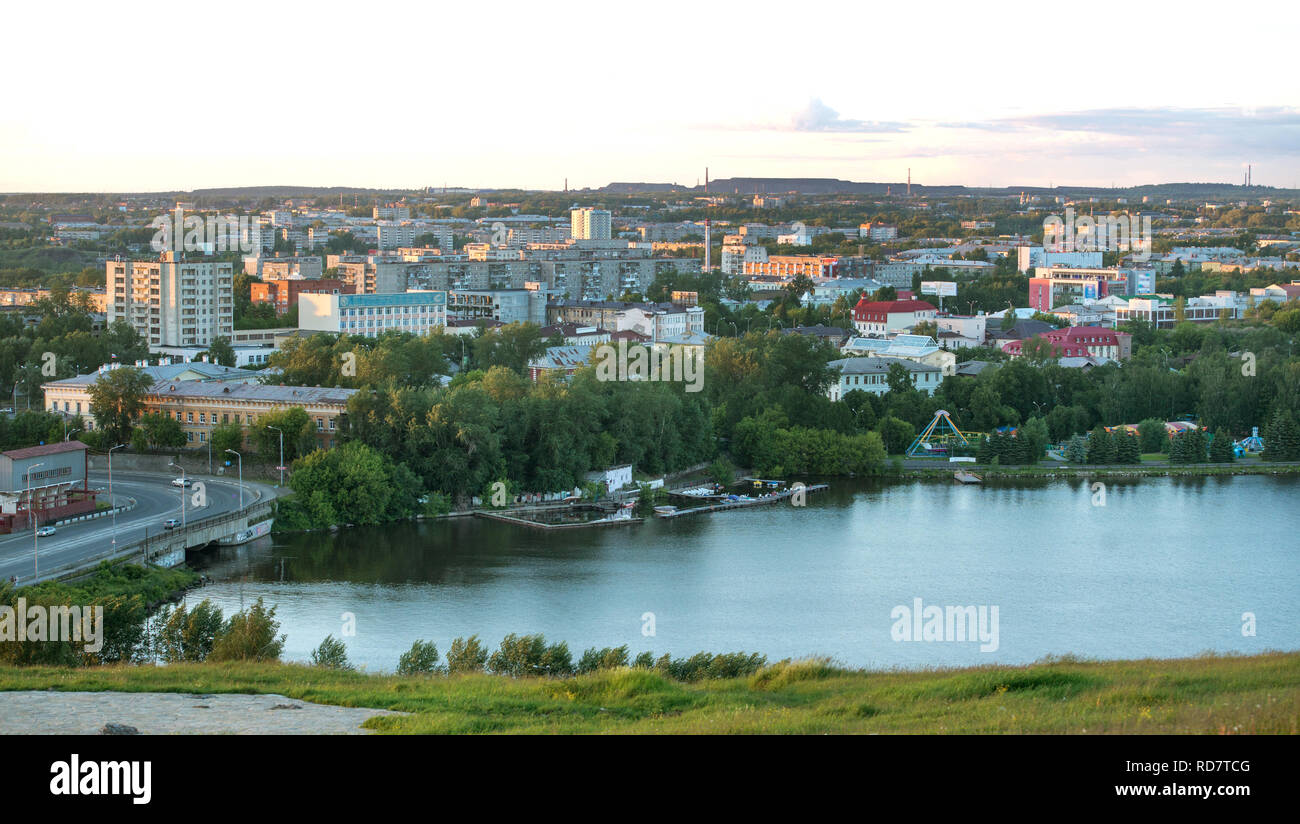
column 963, row 477
column 718, row 507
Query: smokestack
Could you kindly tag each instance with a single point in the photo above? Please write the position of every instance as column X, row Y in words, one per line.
column 708, row 247
column 706, row 183
column 909, row 182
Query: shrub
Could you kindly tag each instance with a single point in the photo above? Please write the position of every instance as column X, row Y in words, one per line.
column 599, row 659
column 188, row 635
column 420, row 659
column 331, row 654
column 249, row 636
column 521, row 655
column 466, row 655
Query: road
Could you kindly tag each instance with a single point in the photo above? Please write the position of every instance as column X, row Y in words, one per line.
column 156, row 501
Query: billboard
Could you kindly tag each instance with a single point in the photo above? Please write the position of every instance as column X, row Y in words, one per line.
column 942, row 288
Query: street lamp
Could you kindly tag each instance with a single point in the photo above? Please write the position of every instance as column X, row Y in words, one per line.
column 184, row 490
column 241, row 477
column 281, row 466
column 111, row 502
column 36, row 553
column 67, row 435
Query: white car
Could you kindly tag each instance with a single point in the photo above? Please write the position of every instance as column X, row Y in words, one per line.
column 45, row 531
column 182, row 482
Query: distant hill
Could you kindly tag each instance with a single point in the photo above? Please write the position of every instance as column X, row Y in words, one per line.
column 827, row 185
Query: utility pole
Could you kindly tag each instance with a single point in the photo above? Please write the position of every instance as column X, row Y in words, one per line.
column 281, row 431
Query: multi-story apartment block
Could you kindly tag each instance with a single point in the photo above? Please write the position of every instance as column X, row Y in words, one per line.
column 590, row 224
column 789, row 266
column 276, row 268
column 372, row 315
column 392, row 212
column 173, row 301
column 505, row 305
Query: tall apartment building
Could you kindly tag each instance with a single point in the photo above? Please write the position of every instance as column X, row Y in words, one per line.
column 172, row 301
column 391, row 212
column 590, row 224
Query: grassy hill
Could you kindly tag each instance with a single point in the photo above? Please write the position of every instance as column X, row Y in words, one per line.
column 1209, row 694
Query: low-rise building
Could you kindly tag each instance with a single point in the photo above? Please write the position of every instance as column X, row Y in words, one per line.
column 1081, row 341
column 872, row 375
column 43, row 483
column 371, row 315
column 890, row 316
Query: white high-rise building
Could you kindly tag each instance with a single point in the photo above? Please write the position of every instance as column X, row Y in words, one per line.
column 590, row 224
column 171, row 301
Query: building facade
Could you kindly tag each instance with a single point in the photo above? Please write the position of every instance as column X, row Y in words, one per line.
column 172, row 301
column 371, row 315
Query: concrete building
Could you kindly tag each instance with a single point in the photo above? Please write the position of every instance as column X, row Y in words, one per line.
column 43, row 483
column 1056, row 285
column 921, row 349
column 371, row 315
column 791, row 266
column 283, row 294
column 590, row 224
column 505, row 305
column 172, row 301
column 1162, row 310
column 278, row 268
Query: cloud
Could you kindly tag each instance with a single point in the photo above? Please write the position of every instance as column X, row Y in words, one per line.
column 1273, row 130
column 818, row 117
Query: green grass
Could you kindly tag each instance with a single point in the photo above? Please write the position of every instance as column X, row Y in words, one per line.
column 1208, row 694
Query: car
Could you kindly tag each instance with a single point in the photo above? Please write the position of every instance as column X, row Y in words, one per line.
column 182, row 482
column 171, row 523
column 44, row 531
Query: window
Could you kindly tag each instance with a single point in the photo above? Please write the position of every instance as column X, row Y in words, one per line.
column 189, row 417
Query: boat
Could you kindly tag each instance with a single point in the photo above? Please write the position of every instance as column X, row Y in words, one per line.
column 255, row 531
column 665, row 511
column 964, row 477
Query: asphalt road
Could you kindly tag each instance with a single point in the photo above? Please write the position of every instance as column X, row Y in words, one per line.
column 156, row 501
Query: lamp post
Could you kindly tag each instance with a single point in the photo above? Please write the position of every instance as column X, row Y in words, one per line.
column 184, row 490
column 111, row 502
column 36, row 552
column 281, row 466
column 241, row 477
column 67, row 435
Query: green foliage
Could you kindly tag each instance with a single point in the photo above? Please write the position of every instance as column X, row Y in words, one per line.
column 1282, row 437
column 249, row 635
column 895, row 435
column 1101, row 447
column 466, row 655
column 1153, row 435
column 187, row 635
column 162, row 431
column 116, row 400
column 420, row 659
column 353, row 484
column 229, row 436
column 1128, row 448
column 722, row 472
column 1221, row 448
column 1076, row 450
column 331, row 654
column 603, row 659
column 647, row 499
column 523, row 655
column 704, row 665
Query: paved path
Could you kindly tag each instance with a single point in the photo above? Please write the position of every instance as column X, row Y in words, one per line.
column 46, row 712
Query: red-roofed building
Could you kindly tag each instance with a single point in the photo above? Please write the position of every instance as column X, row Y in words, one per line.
column 1081, row 341
column 886, row 316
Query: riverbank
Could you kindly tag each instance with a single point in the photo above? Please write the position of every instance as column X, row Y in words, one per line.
column 1052, row 470
column 1208, row 695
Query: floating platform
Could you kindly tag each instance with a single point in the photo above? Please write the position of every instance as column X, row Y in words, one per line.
column 739, row 501
column 963, row 477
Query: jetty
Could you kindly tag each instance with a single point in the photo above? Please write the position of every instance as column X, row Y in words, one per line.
column 737, row 501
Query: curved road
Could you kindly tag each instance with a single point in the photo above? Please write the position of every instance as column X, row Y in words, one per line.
column 156, row 501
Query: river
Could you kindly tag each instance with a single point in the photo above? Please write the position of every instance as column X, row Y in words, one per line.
column 1159, row 567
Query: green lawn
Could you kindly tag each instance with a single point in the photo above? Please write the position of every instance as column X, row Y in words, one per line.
column 1210, row 694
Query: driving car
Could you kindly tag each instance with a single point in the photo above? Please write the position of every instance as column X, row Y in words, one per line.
column 171, row 523
column 44, row 531
column 182, row 482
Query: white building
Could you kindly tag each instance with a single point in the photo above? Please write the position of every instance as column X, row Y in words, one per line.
column 872, row 375
column 371, row 315
column 172, row 301
column 590, row 224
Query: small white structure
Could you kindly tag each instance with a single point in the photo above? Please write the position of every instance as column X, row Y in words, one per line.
column 614, row 478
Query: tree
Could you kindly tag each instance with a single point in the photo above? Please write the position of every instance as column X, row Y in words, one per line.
column 230, row 436
column 1128, row 450
column 162, row 431
column 250, row 635
column 222, row 352
column 1101, row 447
column 116, row 400
column 1035, row 437
column 299, row 436
column 1153, row 435
column 331, row 654
column 466, row 655
column 1076, row 451
column 1221, row 448
column 897, row 435
column 420, row 659
column 1282, row 437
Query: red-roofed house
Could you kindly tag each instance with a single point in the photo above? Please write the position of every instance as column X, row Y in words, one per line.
column 885, row 316
column 1081, row 341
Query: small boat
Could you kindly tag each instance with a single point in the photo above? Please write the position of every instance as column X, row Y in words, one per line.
column 665, row 510
column 255, row 531
column 963, row 477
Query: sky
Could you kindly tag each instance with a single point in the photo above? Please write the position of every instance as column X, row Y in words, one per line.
column 131, row 96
